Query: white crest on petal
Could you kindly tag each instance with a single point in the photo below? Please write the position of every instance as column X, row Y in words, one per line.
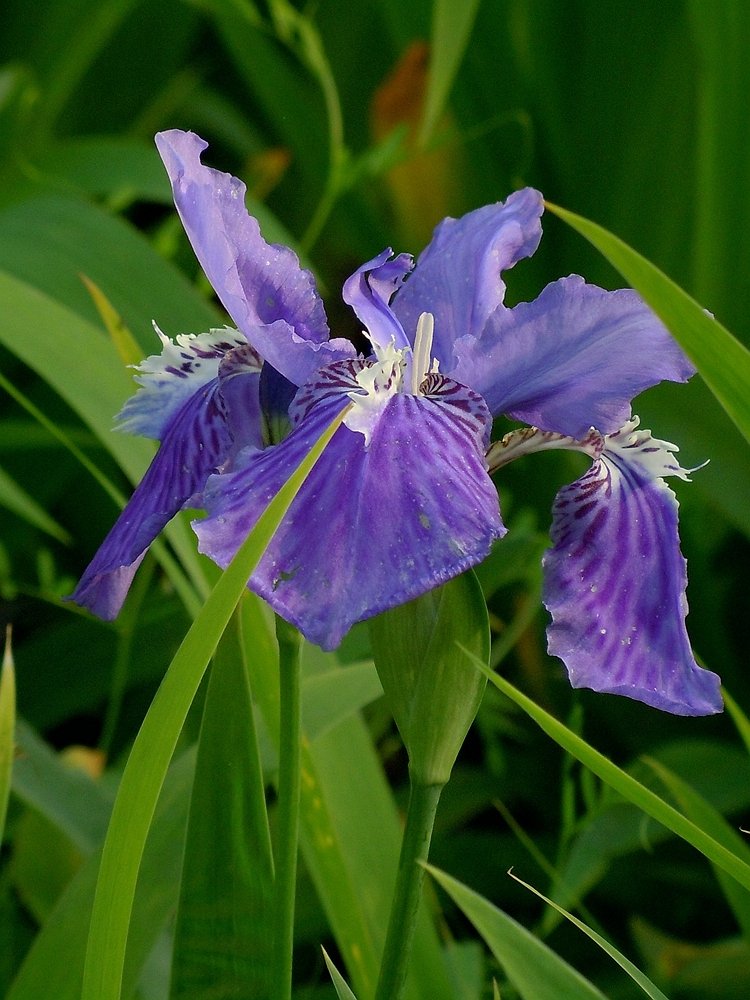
column 653, row 456
column 168, row 379
column 378, row 381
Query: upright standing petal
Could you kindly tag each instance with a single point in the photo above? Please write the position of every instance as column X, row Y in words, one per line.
column 369, row 291
column 457, row 276
column 272, row 299
column 374, row 524
column 615, row 581
column 573, row 358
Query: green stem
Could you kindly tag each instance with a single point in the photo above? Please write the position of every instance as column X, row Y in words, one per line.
column 290, row 644
column 420, row 819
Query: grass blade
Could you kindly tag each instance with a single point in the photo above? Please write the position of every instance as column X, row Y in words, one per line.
column 451, row 27
column 624, row 783
column 223, row 933
column 342, row 990
column 153, row 748
column 533, row 968
column 625, row 964
column 7, row 725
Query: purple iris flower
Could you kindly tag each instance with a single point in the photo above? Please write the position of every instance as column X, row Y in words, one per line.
column 402, row 499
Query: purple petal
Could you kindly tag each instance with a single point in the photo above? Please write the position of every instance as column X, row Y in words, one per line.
column 196, row 442
column 369, row 291
column 572, row 359
column 169, row 379
column 615, row 582
column 373, row 526
column 457, row 276
column 269, row 296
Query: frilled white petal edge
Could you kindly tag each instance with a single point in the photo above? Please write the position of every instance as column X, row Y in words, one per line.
column 169, row 379
column 615, row 581
column 375, row 524
column 197, row 441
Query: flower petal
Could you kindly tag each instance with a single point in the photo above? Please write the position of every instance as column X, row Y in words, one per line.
column 195, row 443
column 374, row 525
column 169, row 379
column 369, row 291
column 269, row 296
column 572, row 359
column 457, row 276
column 615, row 581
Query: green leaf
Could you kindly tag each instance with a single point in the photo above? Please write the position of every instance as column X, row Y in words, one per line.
column 7, row 726
column 15, row 498
column 451, row 28
column 43, row 974
column 67, row 797
column 533, row 968
column 153, row 748
column 739, row 718
column 633, row 971
column 344, row 797
column 223, row 936
column 709, row 819
column 333, row 696
column 342, row 990
column 719, row 357
column 625, row 784
column 95, row 390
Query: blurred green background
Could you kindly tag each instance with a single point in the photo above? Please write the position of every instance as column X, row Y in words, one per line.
column 358, row 126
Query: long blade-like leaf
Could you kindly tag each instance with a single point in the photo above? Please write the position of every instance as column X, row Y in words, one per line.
column 624, row 783
column 223, row 934
column 153, row 748
column 533, row 968
column 633, row 971
column 7, row 725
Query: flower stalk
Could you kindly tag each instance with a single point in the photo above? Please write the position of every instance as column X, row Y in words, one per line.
column 290, row 644
column 415, row 847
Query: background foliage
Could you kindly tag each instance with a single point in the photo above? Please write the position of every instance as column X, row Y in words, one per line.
column 356, row 127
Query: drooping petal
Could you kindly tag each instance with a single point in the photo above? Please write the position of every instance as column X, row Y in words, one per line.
column 169, row 379
column 272, row 299
column 196, row 442
column 374, row 525
column 457, row 276
column 615, row 581
column 369, row 291
column 573, row 358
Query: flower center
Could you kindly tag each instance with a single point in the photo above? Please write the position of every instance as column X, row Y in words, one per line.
column 393, row 369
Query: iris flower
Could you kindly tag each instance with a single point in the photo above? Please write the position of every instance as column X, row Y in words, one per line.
column 402, row 499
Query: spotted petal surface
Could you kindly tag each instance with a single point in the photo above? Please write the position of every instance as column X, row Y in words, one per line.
column 573, row 358
column 457, row 276
column 374, row 525
column 615, row 581
column 196, row 442
column 271, row 299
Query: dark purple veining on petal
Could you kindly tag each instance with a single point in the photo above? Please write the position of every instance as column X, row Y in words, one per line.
column 197, row 441
column 615, row 587
column 374, row 525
